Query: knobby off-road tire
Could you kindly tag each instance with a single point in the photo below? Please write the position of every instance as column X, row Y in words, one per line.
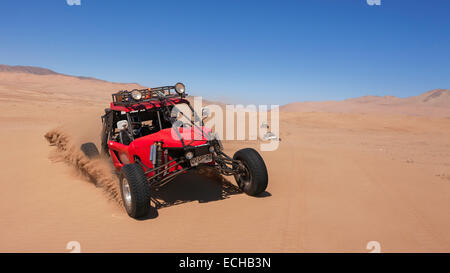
column 134, row 190
column 255, row 179
column 90, row 150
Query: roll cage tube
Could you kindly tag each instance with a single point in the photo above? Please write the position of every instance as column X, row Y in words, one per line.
column 130, row 126
column 107, row 129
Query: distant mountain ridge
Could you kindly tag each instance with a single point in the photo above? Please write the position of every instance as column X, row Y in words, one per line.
column 27, row 69
column 35, row 70
column 438, row 97
column 435, row 102
column 427, row 97
column 12, row 83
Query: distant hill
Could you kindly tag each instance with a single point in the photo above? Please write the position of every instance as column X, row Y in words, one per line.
column 27, row 69
column 35, row 70
column 432, row 103
column 437, row 97
column 19, row 82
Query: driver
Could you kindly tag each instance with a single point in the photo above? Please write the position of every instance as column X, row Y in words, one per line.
column 124, row 136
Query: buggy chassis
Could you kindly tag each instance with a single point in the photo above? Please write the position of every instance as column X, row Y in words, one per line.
column 148, row 156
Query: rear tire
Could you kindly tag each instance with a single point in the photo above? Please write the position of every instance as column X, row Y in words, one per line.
column 134, row 190
column 255, row 179
column 90, row 150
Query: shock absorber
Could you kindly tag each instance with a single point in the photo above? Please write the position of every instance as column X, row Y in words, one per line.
column 166, row 159
column 159, row 156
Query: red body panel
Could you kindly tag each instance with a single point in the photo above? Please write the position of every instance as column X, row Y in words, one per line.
column 123, row 154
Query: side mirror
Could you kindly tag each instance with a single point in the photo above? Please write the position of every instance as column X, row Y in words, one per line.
column 205, row 113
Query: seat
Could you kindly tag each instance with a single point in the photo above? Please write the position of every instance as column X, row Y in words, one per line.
column 145, row 130
column 124, row 137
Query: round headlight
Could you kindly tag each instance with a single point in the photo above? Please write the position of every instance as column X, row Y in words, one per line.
column 180, row 88
column 189, row 155
column 211, row 149
column 136, row 95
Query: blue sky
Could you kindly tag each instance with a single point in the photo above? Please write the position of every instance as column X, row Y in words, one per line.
column 239, row 50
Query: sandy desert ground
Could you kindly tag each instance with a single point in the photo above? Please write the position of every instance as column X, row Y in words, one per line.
column 346, row 173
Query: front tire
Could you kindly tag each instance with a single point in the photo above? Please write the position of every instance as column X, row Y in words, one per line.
column 254, row 179
column 134, row 190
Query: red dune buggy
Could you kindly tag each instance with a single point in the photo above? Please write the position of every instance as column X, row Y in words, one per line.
column 151, row 141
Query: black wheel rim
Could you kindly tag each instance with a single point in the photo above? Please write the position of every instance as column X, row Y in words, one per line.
column 245, row 177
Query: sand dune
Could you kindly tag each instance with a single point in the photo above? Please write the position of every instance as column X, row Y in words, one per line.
column 341, row 178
